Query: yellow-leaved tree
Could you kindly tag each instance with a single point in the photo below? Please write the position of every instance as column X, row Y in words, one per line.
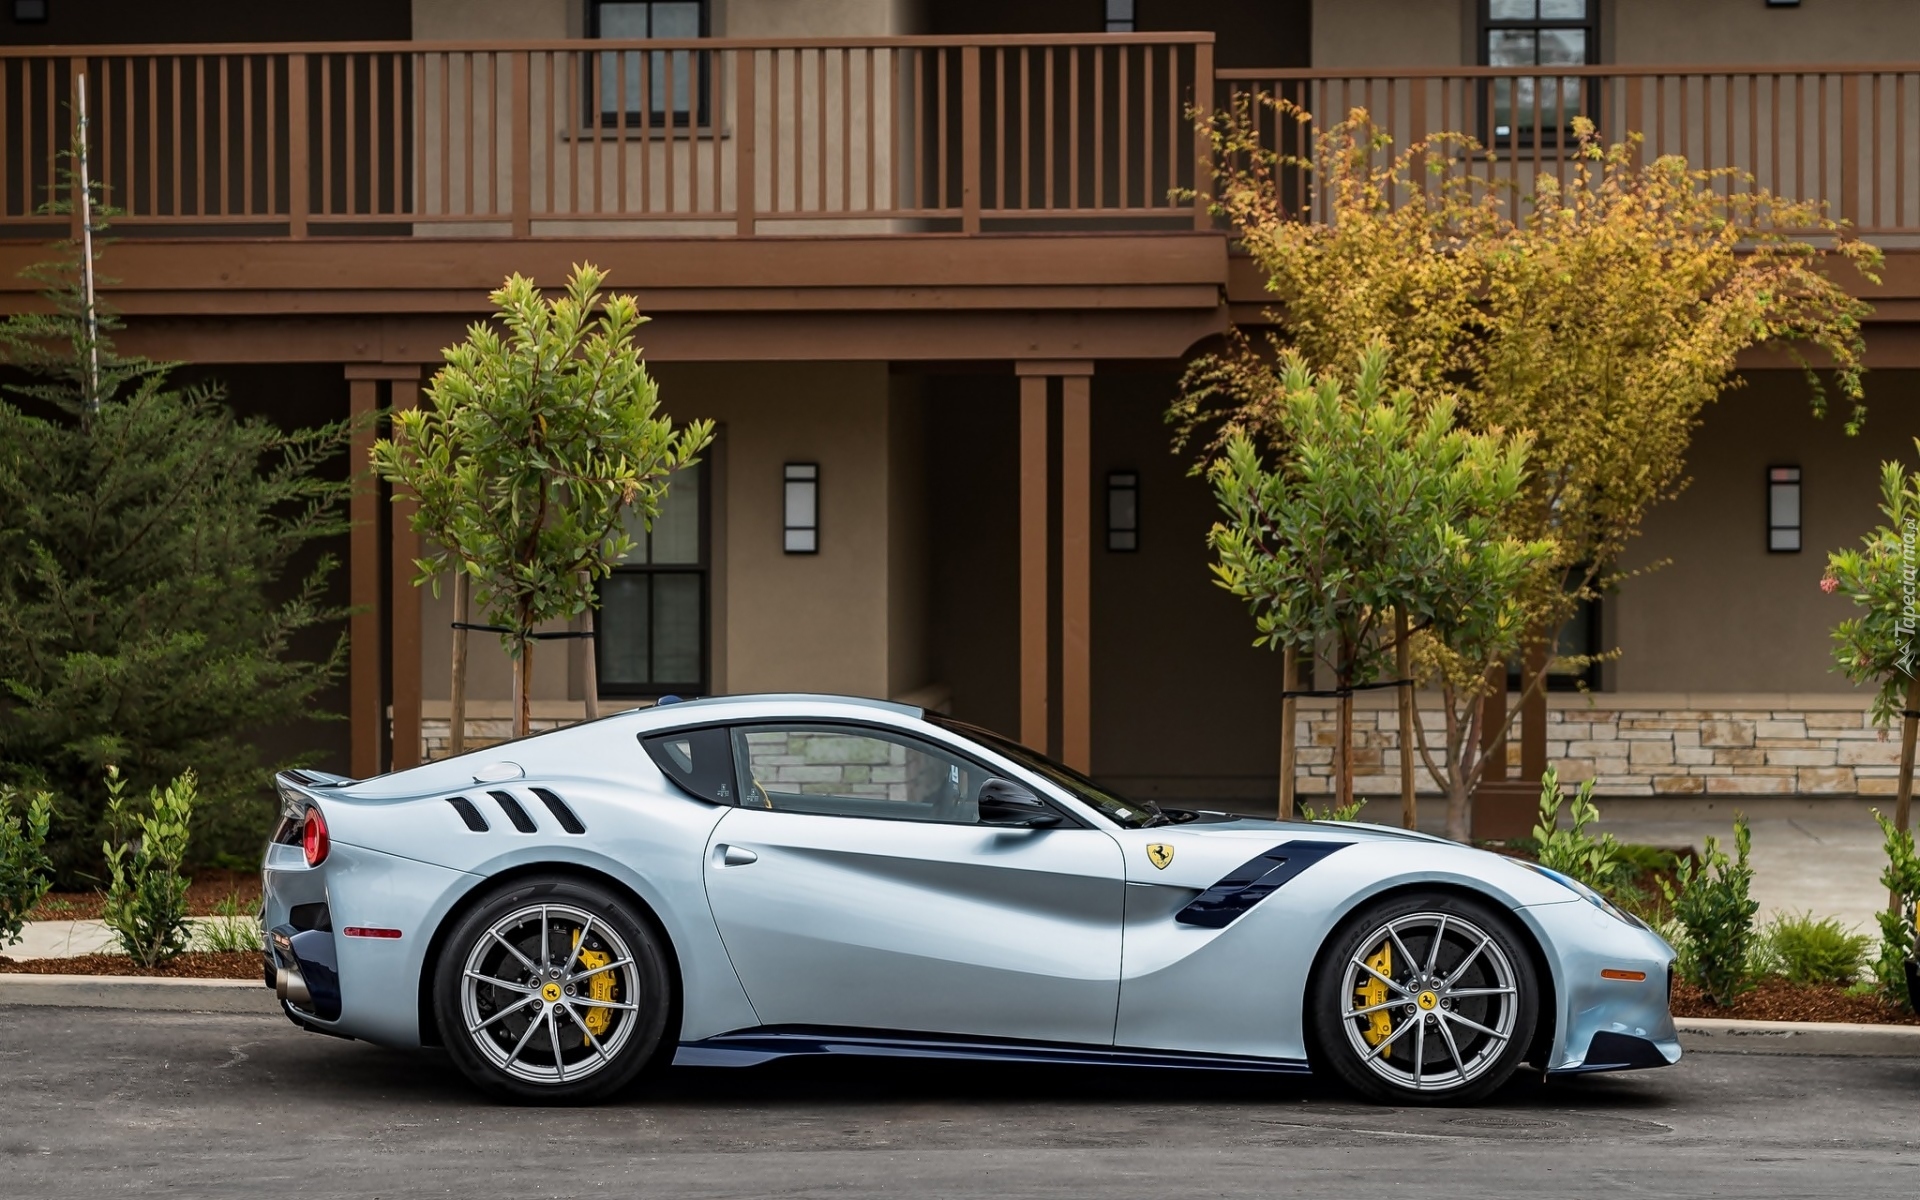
column 1598, row 312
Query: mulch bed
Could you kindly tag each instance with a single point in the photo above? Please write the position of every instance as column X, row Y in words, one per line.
column 1778, row 1000
column 194, row 964
column 210, row 886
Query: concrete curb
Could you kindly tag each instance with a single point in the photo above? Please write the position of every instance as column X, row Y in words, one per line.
column 1701, row 1035
column 132, row 991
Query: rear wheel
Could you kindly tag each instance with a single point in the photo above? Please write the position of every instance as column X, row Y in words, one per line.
column 1424, row 999
column 552, row 990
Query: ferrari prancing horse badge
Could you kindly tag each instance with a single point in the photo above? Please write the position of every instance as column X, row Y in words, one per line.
column 1159, row 854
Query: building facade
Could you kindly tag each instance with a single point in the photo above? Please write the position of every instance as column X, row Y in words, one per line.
column 924, row 264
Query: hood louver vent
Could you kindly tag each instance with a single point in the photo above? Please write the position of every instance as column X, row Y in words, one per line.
column 468, row 813
column 561, row 813
column 515, row 813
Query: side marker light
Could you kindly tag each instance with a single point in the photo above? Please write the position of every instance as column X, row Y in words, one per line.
column 369, row 931
column 1628, row 976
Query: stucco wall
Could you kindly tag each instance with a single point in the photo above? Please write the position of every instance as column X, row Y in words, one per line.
column 1392, row 33
column 1747, row 31
column 1726, row 615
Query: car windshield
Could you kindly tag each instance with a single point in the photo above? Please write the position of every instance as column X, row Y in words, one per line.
column 1133, row 814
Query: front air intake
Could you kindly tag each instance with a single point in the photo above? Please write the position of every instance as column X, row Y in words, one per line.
column 561, row 813
column 515, row 813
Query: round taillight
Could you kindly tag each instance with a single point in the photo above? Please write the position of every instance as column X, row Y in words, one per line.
column 313, row 837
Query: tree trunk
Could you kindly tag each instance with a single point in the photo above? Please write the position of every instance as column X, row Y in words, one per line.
column 1903, row 805
column 590, row 672
column 523, row 690
column 457, row 693
column 1459, row 812
column 1403, row 664
column 1343, row 795
column 1290, row 672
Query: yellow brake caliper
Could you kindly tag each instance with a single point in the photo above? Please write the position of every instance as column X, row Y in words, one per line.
column 1373, row 991
column 599, row 987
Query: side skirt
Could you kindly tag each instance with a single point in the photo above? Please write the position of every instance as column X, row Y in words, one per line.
column 751, row 1047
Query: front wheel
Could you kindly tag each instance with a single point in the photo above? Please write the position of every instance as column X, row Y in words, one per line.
column 1424, row 999
column 552, row 990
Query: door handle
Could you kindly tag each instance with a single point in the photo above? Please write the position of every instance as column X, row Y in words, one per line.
column 734, row 856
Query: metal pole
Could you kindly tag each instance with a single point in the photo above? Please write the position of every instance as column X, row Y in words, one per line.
column 86, row 252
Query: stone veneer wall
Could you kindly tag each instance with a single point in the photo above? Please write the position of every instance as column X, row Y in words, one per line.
column 1630, row 745
column 1646, row 745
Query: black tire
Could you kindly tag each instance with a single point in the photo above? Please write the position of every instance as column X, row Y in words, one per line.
column 540, row 1013
column 1474, row 1034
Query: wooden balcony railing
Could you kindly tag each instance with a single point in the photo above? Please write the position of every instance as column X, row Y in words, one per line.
column 1844, row 136
column 721, row 136
column 677, row 136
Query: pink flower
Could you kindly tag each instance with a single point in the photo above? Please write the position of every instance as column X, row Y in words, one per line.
column 1829, row 584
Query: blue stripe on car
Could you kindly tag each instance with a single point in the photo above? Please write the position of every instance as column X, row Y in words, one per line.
column 1251, row 882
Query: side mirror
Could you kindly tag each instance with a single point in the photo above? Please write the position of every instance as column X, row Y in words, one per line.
column 1009, row 805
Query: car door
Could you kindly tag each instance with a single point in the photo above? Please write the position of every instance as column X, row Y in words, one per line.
column 855, row 888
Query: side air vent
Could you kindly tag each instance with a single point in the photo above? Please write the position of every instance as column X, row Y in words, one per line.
column 561, row 813
column 468, row 813
column 515, row 813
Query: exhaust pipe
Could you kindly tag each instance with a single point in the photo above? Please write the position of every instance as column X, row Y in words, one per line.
column 288, row 984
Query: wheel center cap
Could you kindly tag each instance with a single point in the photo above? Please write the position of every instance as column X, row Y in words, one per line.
column 1427, row 1000
column 551, row 994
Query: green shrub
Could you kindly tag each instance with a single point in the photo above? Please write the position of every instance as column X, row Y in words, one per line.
column 1594, row 861
column 1902, row 879
column 1803, row 950
column 231, row 929
column 1713, row 910
column 1349, row 811
column 147, row 893
column 25, row 871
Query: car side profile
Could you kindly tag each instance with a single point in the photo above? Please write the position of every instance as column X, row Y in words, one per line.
column 727, row 881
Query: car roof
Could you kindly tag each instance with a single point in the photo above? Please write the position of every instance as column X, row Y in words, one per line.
column 705, row 704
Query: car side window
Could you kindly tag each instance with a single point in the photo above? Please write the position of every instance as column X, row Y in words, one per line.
column 699, row 760
column 854, row 771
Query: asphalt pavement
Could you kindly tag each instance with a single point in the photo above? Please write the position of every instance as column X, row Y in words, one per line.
column 100, row 1103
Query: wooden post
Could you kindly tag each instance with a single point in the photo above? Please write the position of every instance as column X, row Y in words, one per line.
column 457, row 686
column 522, row 164
column 746, row 175
column 1850, row 148
column 1403, row 664
column 1203, row 85
column 1076, row 564
column 1289, row 671
column 1034, row 717
column 299, row 156
column 1533, row 714
column 590, row 668
column 969, row 139
column 405, row 626
column 366, row 713
column 1493, row 723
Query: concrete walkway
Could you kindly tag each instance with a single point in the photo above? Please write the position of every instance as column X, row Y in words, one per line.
column 69, row 939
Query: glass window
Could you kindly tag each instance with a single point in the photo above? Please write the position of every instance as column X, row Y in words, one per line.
column 1783, row 510
column 652, row 625
column 1134, row 814
column 658, row 86
column 699, row 760
column 854, row 771
column 1537, row 33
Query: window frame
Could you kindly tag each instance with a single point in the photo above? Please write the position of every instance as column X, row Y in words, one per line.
column 703, row 569
column 697, row 115
column 744, row 778
column 1558, row 136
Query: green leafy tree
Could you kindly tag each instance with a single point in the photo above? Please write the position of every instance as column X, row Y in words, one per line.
column 1878, row 646
column 146, row 855
column 156, row 568
column 25, row 870
column 1378, row 504
column 532, row 445
column 1599, row 313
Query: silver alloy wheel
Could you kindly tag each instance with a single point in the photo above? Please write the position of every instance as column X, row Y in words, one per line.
column 1429, row 1001
column 549, row 993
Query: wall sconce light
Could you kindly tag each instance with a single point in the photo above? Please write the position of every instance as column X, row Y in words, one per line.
column 802, row 508
column 29, row 12
column 1120, row 16
column 1783, row 510
column 1123, row 511
column 1783, row 3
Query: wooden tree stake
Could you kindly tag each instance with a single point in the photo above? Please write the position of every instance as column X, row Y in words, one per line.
column 1289, row 669
column 1403, row 663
